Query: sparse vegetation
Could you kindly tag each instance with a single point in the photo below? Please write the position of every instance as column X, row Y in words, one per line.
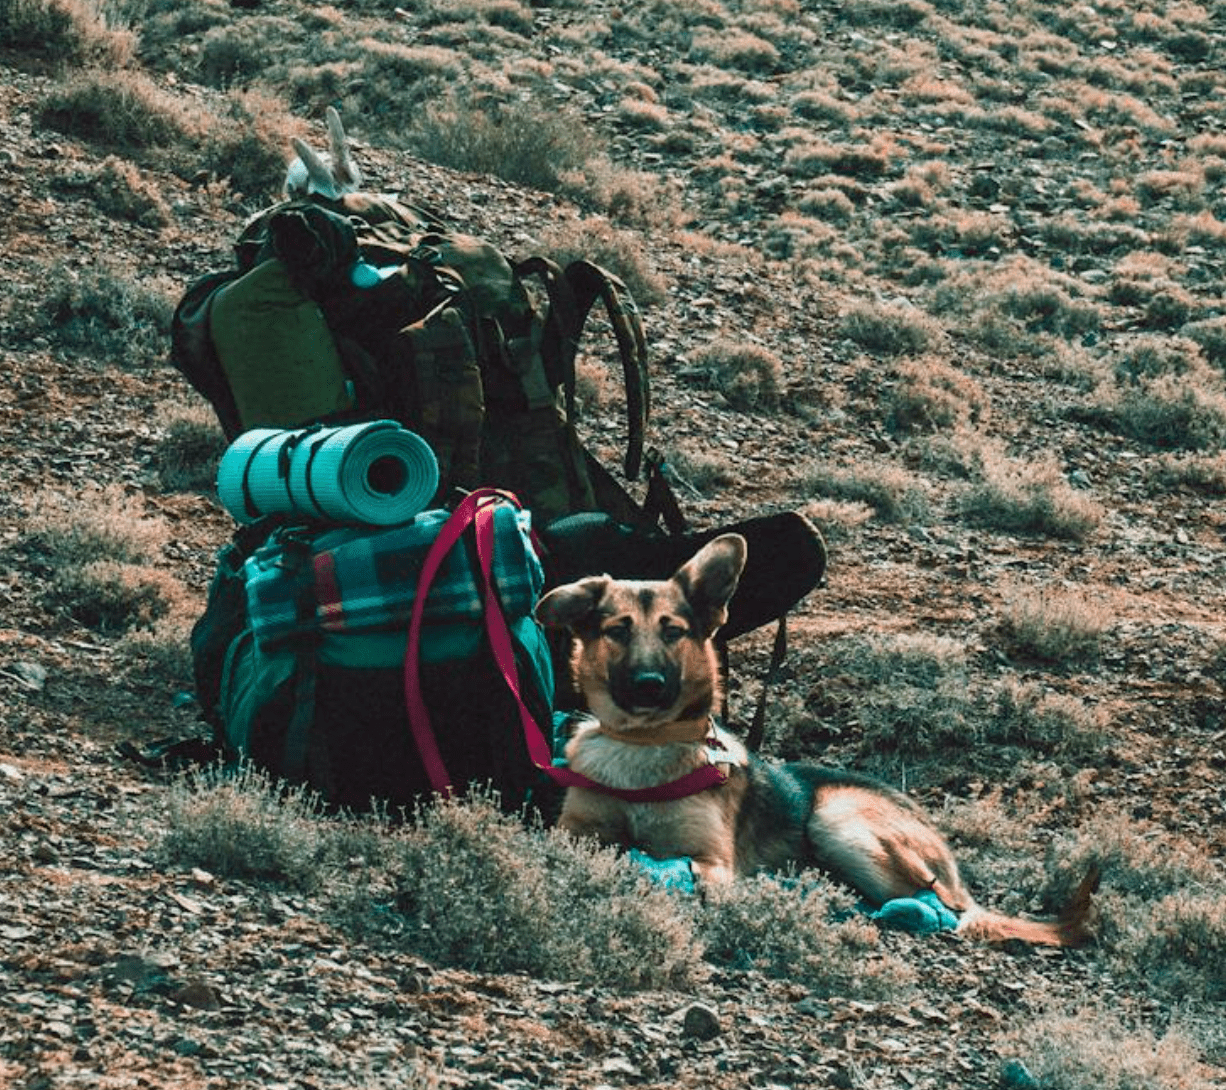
column 241, row 824
column 190, row 449
column 894, row 493
column 749, row 376
column 976, row 253
column 519, row 884
column 1091, row 1049
column 1019, row 497
column 1055, row 626
column 801, row 929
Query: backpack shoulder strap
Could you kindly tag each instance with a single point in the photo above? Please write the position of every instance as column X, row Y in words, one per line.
column 587, row 283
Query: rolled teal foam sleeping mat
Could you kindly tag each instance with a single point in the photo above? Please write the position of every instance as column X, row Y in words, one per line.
column 372, row 474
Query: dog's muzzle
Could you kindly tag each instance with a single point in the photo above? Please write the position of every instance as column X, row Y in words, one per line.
column 641, row 690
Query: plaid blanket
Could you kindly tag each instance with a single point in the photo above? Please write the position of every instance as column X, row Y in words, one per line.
column 362, row 581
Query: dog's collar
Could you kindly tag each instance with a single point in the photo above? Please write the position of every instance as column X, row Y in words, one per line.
column 682, row 730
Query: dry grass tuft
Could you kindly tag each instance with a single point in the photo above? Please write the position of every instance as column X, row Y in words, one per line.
column 1028, row 498
column 749, row 377
column 1091, row 1049
column 1054, row 626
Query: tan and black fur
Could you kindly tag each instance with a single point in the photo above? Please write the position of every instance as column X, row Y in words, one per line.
column 645, row 662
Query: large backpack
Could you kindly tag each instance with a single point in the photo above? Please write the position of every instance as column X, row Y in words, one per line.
column 363, row 308
column 362, row 662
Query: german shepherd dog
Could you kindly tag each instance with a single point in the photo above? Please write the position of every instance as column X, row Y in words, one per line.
column 645, row 662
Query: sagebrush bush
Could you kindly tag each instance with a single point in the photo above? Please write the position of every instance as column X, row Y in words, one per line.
column 1201, row 472
column 119, row 190
column 701, row 469
column 908, row 695
column 801, row 929
column 620, row 251
column 1091, row 1049
column 892, row 491
column 1063, row 628
column 1150, row 356
column 159, row 654
column 241, row 824
column 749, row 376
column 1023, row 714
column 123, row 110
column 524, row 143
column 111, row 597
column 104, row 311
column 890, row 328
column 72, row 31
column 248, row 143
column 481, row 891
column 1177, row 945
column 1210, row 334
column 189, row 449
column 930, row 395
column 1029, row 498
column 1170, row 412
column 108, row 523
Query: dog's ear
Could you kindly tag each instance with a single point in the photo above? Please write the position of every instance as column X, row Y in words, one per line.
column 319, row 173
column 709, row 580
column 345, row 171
column 570, row 605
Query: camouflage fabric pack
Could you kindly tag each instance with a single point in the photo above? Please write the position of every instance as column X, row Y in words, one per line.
column 436, row 329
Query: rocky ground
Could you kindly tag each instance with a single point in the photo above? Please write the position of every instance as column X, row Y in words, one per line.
column 119, row 970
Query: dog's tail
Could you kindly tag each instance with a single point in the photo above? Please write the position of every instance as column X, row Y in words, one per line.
column 1071, row 928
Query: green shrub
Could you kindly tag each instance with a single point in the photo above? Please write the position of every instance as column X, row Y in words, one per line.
column 248, row 143
column 891, row 329
column 1171, row 412
column 1090, row 1049
column 929, row 395
column 1057, row 627
column 105, row 312
column 189, row 450
column 122, row 110
column 109, row 597
column 908, row 695
column 524, row 143
column 1029, row 498
column 481, row 891
column 1022, row 714
column 619, row 251
column 801, row 930
column 701, row 469
column 71, row 31
column 1210, row 334
column 894, row 493
column 243, row 825
column 95, row 524
column 1203, row 473
column 749, row 376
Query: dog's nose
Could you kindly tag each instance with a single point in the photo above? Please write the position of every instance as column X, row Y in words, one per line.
column 648, row 689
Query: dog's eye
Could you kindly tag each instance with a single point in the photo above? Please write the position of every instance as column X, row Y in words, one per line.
column 618, row 633
column 671, row 633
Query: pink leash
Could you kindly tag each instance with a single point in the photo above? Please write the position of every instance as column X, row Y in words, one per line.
column 478, row 508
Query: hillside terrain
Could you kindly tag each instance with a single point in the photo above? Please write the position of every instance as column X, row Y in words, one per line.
column 946, row 277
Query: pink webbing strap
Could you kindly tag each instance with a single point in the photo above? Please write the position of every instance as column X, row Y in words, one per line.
column 538, row 748
column 478, row 508
column 419, row 717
